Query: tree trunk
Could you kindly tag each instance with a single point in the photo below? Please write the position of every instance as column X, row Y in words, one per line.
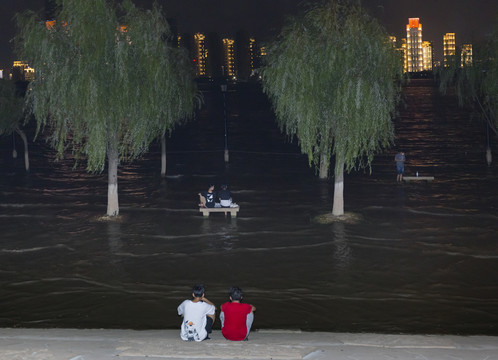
column 338, row 206
column 112, row 186
column 26, row 152
column 324, row 166
column 163, row 155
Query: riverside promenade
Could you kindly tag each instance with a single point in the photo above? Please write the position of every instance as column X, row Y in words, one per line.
column 72, row 344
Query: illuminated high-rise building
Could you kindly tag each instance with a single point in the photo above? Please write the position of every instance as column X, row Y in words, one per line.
column 258, row 53
column 427, row 55
column 448, row 47
column 229, row 57
column 22, row 72
column 252, row 54
column 29, row 74
column 466, row 55
column 414, row 45
column 200, row 55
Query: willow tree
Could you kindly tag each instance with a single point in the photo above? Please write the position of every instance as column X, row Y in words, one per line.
column 107, row 81
column 11, row 111
column 185, row 98
column 476, row 80
column 331, row 76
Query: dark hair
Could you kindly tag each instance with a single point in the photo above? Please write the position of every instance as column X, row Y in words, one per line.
column 236, row 293
column 198, row 290
column 224, row 186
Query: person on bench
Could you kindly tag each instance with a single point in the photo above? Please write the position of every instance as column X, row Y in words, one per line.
column 210, row 197
column 225, row 196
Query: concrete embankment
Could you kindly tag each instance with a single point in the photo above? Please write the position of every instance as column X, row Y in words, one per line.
column 73, row 344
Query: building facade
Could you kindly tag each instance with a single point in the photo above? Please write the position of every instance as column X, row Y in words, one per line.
column 466, row 55
column 253, row 63
column 448, row 48
column 22, row 72
column 229, row 69
column 427, row 55
column 214, row 58
column 200, row 55
column 414, row 54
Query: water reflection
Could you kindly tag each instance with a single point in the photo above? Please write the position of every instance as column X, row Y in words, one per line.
column 342, row 251
column 114, row 238
column 222, row 233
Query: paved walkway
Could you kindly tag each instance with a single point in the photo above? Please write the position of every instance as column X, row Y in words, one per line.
column 72, row 344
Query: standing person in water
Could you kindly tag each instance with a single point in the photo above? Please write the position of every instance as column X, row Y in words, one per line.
column 399, row 158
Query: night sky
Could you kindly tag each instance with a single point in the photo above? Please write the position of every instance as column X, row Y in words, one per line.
column 469, row 19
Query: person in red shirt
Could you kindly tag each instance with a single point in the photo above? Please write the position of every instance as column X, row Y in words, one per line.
column 236, row 317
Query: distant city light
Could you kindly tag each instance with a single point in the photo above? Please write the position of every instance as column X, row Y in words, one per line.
column 466, row 55
column 229, row 57
column 236, row 58
column 418, row 55
column 448, row 47
column 414, row 51
column 22, row 71
column 201, row 54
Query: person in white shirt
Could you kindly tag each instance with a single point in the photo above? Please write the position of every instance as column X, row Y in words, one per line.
column 198, row 316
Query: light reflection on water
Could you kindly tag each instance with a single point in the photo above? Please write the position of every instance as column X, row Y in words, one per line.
column 423, row 259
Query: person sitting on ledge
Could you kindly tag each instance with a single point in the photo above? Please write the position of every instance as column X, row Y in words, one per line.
column 236, row 317
column 198, row 316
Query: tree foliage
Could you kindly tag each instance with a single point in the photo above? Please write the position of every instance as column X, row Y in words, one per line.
column 11, row 115
column 11, row 107
column 107, row 81
column 476, row 83
column 105, row 73
column 331, row 78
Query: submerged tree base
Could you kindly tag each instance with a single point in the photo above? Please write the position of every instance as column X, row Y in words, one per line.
column 347, row 218
column 107, row 218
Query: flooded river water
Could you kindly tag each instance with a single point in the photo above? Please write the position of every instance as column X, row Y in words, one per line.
column 424, row 259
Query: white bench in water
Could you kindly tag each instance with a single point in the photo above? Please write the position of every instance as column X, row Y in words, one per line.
column 418, row 178
column 206, row 211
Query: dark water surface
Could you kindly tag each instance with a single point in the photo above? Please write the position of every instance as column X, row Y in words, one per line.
column 423, row 260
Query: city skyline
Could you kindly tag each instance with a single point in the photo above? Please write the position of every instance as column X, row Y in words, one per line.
column 470, row 21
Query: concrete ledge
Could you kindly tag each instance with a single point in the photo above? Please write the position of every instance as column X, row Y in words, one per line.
column 72, row 344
